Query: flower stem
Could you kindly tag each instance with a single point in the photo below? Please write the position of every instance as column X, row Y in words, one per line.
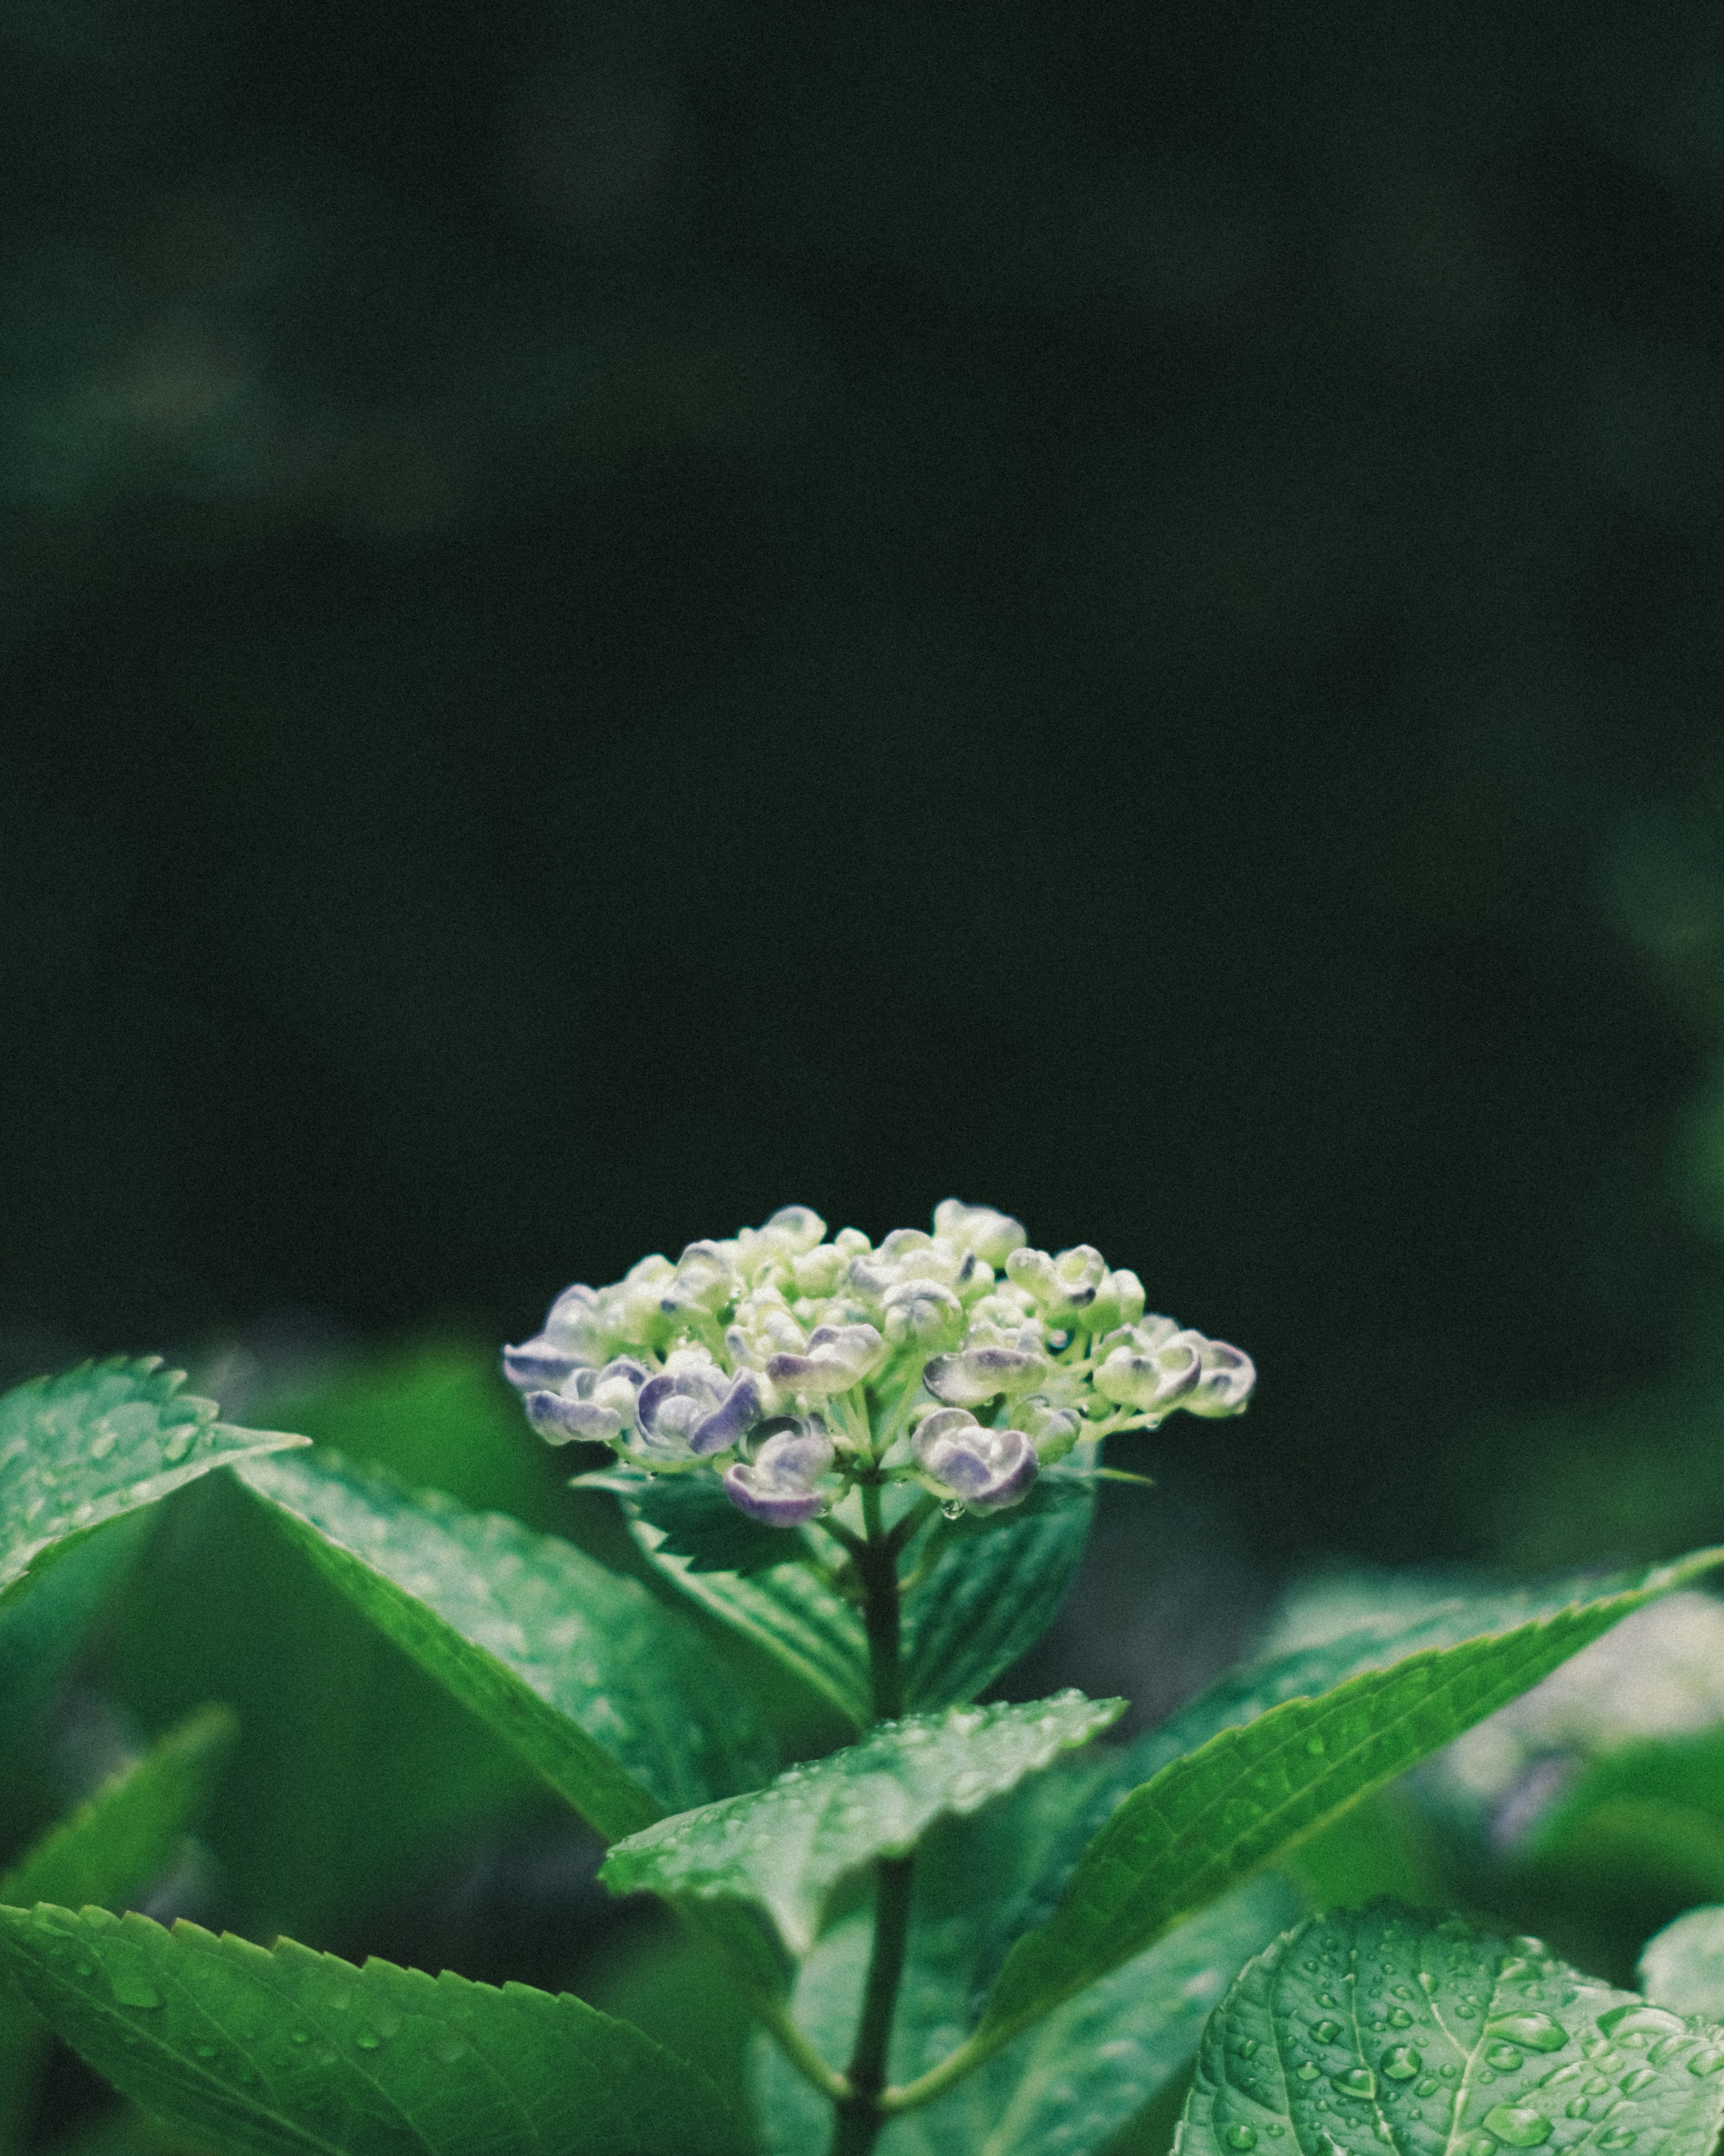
column 860, row 2118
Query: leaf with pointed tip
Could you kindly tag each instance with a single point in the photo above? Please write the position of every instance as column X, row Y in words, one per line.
column 292, row 2053
column 610, row 1695
column 787, row 1845
column 128, row 1834
column 1214, row 1815
column 1683, row 1965
column 102, row 1439
column 1382, row 2029
column 994, row 1586
column 1072, row 2083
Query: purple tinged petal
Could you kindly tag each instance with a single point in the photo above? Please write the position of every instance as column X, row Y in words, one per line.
column 773, row 1508
column 786, row 1369
column 1227, row 1376
column 654, row 1393
column 1013, row 1477
column 559, row 1421
column 538, row 1364
column 739, row 1413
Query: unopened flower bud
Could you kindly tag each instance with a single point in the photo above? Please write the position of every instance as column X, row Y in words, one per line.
column 763, row 1327
column 1065, row 1287
column 982, row 1374
column 778, row 1486
column 992, row 1236
column 1150, row 1379
column 987, row 1469
column 1119, row 1301
column 921, row 1314
column 837, row 1356
column 819, row 1271
column 1229, row 1374
column 704, row 1277
column 1053, row 1430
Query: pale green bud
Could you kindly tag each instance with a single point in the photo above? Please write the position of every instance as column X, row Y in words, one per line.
column 992, row 1236
column 1150, row 1379
column 922, row 1313
column 817, row 1272
column 1065, row 1287
column 1229, row 1374
column 1119, row 1301
column 1052, row 1430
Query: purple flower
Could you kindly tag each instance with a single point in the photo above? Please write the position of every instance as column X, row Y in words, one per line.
column 572, row 1339
column 988, row 1468
column 778, row 1486
column 594, row 1405
column 696, row 1410
column 839, row 1357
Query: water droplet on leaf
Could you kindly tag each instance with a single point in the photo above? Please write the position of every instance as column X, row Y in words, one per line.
column 1356, row 2081
column 1533, row 2032
column 1517, row 2124
column 1401, row 2062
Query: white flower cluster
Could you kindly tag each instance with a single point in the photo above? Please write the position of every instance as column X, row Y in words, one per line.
column 961, row 1359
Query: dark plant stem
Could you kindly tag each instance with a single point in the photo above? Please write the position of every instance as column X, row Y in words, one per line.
column 859, row 2119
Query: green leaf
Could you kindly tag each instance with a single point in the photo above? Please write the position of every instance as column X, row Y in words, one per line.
column 786, row 1608
column 43, row 1623
column 994, row 1587
column 285, row 2052
column 1683, row 1966
column 103, row 1439
column 128, row 1834
column 694, row 1520
column 1213, row 1816
column 1378, row 2028
column 611, row 1696
column 787, row 1847
column 1069, row 2085
column 109, row 1850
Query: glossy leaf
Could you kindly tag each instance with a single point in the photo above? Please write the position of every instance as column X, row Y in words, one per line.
column 43, row 1623
column 994, row 1586
column 290, row 2051
column 1214, row 1815
column 610, row 1695
column 1381, row 2029
column 103, row 1439
column 1071, row 2084
column 127, row 1835
column 1683, row 1966
column 787, row 1845
column 109, row 1852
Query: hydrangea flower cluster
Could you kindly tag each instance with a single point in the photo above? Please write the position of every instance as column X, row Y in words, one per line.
column 962, row 1361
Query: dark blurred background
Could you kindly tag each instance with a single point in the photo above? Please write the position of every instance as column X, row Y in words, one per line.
column 619, row 614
